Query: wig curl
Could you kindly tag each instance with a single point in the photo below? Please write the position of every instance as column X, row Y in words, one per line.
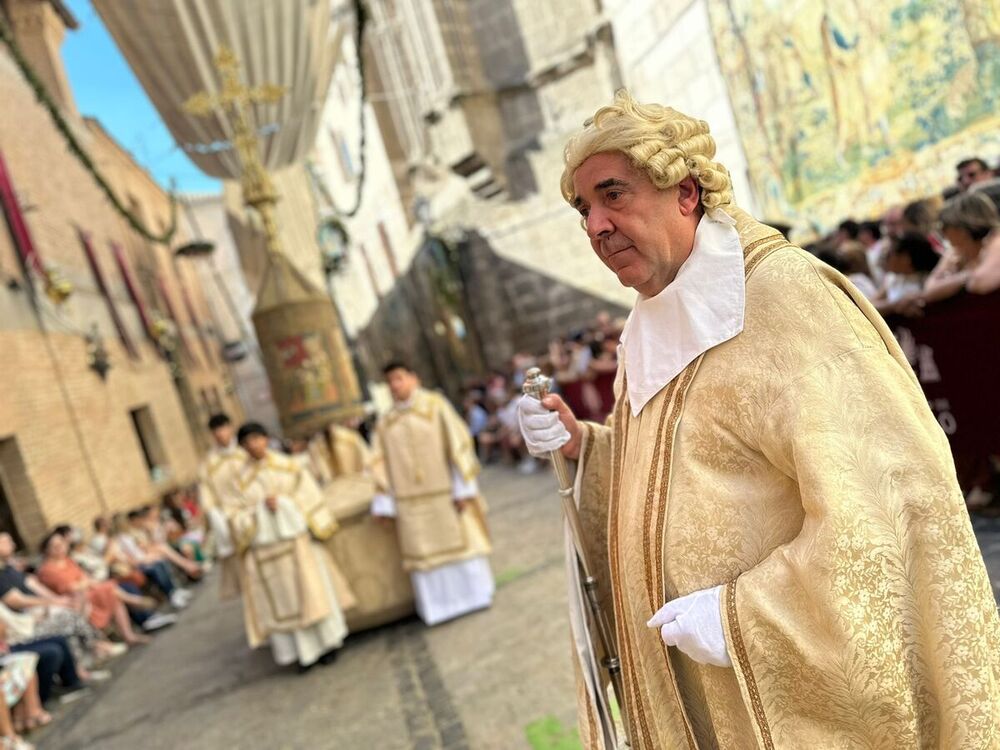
column 661, row 142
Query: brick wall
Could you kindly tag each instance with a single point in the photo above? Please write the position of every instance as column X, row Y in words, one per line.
column 67, row 443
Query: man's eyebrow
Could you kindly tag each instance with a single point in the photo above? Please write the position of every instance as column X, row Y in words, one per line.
column 602, row 185
column 610, row 182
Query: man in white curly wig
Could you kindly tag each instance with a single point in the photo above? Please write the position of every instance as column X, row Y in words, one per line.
column 773, row 510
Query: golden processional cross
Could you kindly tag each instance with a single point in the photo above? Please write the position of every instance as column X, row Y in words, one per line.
column 234, row 99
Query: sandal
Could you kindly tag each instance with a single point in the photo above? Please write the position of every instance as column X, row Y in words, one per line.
column 42, row 719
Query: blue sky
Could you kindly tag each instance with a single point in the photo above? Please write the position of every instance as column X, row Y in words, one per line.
column 106, row 88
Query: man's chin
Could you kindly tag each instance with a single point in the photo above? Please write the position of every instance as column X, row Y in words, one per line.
column 629, row 277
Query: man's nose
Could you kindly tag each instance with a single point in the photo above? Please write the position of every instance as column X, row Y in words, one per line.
column 598, row 224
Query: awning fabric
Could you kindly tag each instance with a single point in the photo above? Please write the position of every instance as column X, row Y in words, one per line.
column 171, row 46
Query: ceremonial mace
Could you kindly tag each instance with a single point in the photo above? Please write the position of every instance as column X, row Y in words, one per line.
column 536, row 386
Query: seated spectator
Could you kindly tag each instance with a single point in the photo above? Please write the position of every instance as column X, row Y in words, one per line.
column 9, row 738
column 183, row 534
column 102, row 534
column 968, row 222
column 51, row 614
column 130, row 579
column 93, row 564
column 106, row 601
column 22, row 705
column 911, row 259
column 149, row 558
column 54, row 660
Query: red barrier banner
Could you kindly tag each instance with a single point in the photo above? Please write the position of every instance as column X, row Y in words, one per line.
column 954, row 349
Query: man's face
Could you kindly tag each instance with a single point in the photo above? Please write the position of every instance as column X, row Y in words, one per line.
column 256, row 446
column 6, row 546
column 893, row 222
column 641, row 233
column 223, row 435
column 401, row 384
column 972, row 173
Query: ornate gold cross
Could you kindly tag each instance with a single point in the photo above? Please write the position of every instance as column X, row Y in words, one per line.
column 234, row 100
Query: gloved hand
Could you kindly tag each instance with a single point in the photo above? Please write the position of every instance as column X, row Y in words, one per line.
column 693, row 623
column 542, row 429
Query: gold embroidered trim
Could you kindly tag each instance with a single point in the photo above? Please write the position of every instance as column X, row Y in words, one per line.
column 763, row 240
column 590, row 444
column 675, row 410
column 272, row 603
column 647, row 519
column 743, row 659
column 634, row 704
column 751, row 263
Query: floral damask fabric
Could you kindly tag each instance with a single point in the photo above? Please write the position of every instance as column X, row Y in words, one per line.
column 799, row 465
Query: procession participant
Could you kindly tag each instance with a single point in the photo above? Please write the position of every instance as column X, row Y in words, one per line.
column 217, row 477
column 293, row 594
column 773, row 505
column 425, row 468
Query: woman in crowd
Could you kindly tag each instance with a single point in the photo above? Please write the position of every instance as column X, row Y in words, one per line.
column 969, row 222
column 106, row 599
column 22, row 708
column 50, row 613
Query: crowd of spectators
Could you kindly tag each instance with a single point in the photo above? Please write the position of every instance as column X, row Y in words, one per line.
column 582, row 366
column 927, row 250
column 69, row 610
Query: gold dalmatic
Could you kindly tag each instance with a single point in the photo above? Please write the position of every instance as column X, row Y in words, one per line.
column 799, row 466
column 414, row 452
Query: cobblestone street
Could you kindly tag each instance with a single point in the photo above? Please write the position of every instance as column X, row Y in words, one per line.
column 495, row 679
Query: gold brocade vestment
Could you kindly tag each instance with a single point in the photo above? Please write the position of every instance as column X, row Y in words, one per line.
column 798, row 465
column 415, row 449
column 283, row 587
column 218, row 483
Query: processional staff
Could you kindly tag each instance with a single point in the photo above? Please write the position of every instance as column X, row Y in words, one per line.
column 536, row 385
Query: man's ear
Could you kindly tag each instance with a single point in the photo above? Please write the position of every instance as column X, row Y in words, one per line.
column 688, row 196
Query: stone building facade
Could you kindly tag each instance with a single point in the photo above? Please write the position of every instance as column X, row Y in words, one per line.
column 462, row 251
column 74, row 444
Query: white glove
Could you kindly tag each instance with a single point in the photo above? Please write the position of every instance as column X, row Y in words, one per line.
column 383, row 505
column 541, row 428
column 693, row 623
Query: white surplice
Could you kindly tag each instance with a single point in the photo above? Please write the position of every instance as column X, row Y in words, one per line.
column 454, row 589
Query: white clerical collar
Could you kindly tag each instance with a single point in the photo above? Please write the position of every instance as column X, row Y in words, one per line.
column 701, row 308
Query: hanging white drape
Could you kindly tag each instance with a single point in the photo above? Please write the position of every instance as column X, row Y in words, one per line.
column 171, row 46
